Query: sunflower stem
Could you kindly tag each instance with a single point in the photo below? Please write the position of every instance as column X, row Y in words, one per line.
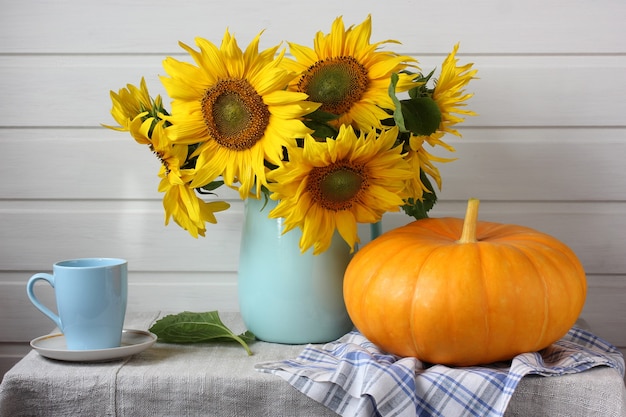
column 468, row 235
column 376, row 229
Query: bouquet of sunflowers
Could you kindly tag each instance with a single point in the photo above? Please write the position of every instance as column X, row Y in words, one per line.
column 322, row 131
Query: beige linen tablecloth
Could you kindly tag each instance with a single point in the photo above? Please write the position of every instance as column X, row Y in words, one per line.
column 220, row 380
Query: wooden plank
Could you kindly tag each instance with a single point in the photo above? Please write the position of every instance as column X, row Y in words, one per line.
column 35, row 235
column 512, row 90
column 154, row 26
column 522, row 168
column 77, row 164
column 547, row 164
column 593, row 231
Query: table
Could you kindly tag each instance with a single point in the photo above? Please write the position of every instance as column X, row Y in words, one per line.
column 220, row 380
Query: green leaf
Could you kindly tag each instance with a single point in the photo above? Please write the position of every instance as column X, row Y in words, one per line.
column 322, row 116
column 421, row 115
column 189, row 327
column 320, row 130
column 213, row 185
column 318, row 121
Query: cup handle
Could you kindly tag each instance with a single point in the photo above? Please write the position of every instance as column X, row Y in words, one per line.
column 33, row 298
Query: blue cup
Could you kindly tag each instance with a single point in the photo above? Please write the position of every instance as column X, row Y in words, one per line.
column 91, row 296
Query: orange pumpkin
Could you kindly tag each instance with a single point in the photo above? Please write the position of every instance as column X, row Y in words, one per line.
column 464, row 293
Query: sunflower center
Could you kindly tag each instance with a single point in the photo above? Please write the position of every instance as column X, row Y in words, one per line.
column 336, row 187
column 235, row 114
column 337, row 83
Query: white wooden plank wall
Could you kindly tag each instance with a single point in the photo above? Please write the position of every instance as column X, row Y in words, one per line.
column 546, row 151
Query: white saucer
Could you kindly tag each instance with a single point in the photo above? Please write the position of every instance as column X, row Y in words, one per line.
column 53, row 346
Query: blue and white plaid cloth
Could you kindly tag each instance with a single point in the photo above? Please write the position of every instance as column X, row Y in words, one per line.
column 352, row 376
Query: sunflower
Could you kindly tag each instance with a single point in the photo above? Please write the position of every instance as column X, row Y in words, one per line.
column 348, row 75
column 181, row 201
column 234, row 105
column 172, row 156
column 132, row 108
column 333, row 185
column 183, row 205
column 449, row 96
column 138, row 114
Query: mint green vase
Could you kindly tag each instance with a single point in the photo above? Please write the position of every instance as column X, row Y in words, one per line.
column 286, row 296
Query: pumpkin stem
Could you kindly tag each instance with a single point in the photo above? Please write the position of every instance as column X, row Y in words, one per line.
column 468, row 235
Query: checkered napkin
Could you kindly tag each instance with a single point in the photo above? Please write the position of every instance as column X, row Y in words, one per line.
column 352, row 377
